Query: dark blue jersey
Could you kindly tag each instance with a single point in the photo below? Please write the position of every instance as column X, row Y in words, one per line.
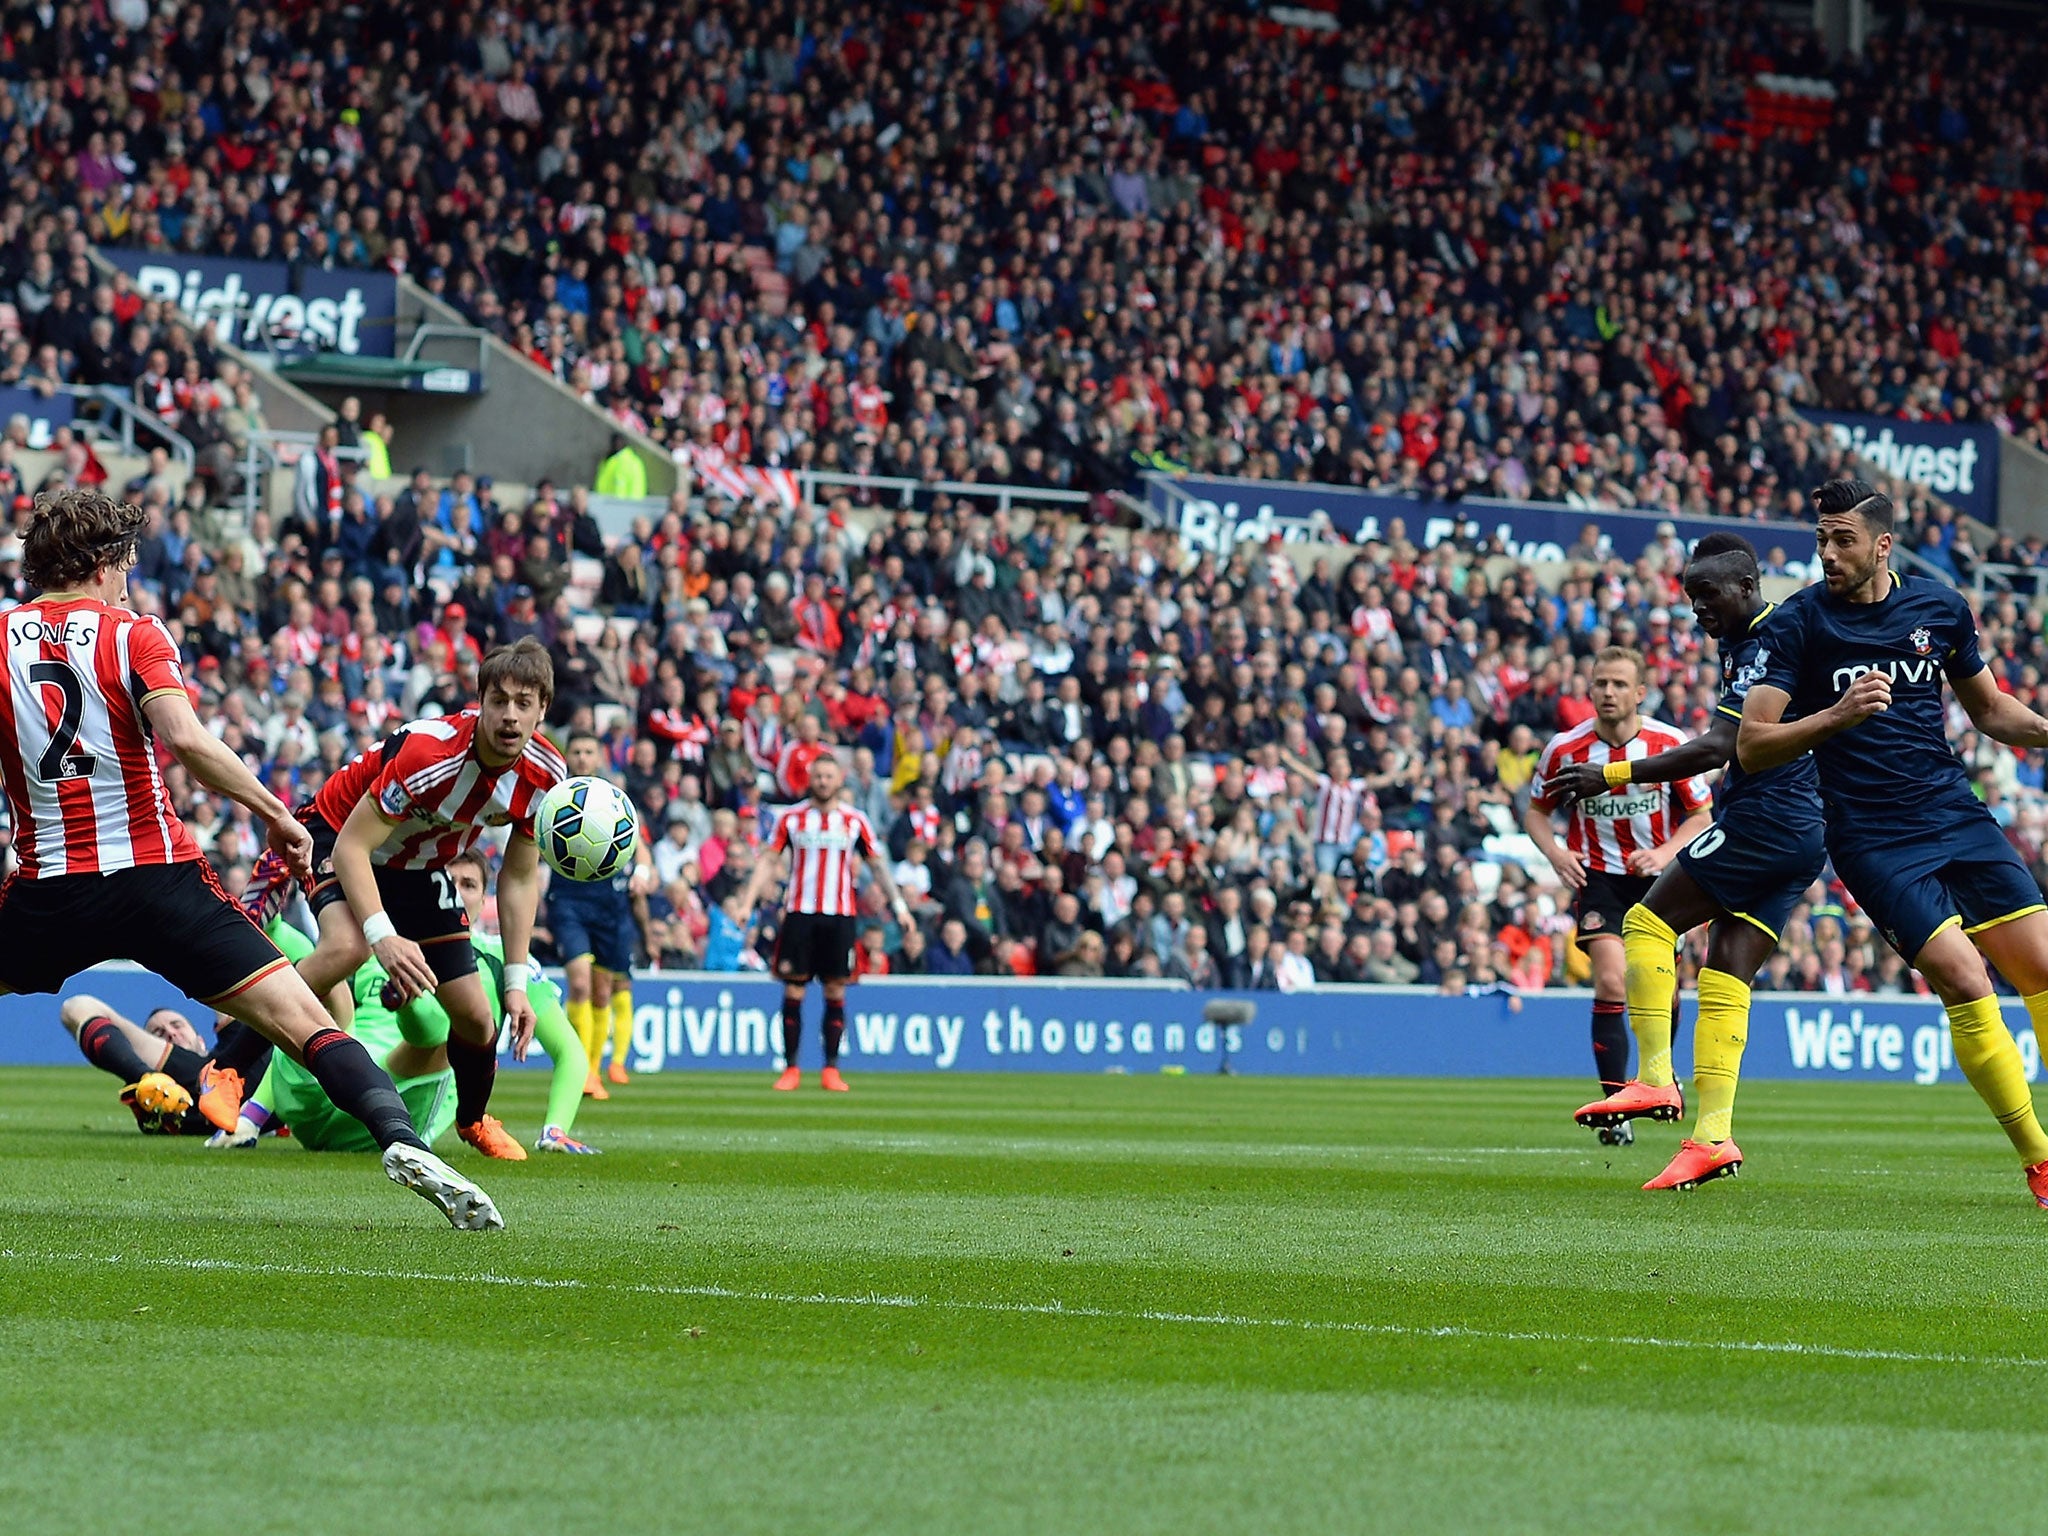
column 1894, row 775
column 1787, row 796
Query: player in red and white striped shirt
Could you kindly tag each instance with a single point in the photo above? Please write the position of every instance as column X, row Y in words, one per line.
column 1616, row 844
column 1333, row 815
column 386, row 827
column 824, row 837
column 88, row 690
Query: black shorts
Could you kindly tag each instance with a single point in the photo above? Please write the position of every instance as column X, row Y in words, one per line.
column 1605, row 901
column 173, row 918
column 814, row 945
column 423, row 904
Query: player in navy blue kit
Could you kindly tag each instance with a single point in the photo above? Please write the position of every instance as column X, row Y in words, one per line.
column 595, row 925
column 1743, row 876
column 1854, row 676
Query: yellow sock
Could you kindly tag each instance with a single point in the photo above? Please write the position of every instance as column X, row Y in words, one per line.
column 1652, row 950
column 579, row 1020
column 1990, row 1059
column 622, row 1022
column 1717, row 1042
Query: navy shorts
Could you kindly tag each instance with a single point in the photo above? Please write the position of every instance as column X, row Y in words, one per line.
column 1756, row 870
column 1913, row 888
column 604, row 931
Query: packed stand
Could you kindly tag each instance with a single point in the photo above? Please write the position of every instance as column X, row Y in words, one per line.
column 1042, row 246
column 1445, row 249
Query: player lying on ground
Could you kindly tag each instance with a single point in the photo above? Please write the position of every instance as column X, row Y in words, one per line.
column 822, row 839
column 1615, row 845
column 422, row 1026
column 107, row 869
column 1742, row 876
column 384, row 831
column 1853, row 674
column 410, row 1040
column 594, row 924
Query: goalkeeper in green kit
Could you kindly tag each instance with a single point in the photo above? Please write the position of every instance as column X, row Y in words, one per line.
column 411, row 1041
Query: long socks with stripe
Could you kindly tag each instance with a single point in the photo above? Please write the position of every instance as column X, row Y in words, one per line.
column 358, row 1086
column 1610, row 1045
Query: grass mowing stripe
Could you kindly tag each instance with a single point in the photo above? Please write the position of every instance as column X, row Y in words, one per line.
column 1449, row 1331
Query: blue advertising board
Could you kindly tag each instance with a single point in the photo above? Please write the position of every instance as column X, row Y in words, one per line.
column 45, row 413
column 1218, row 514
column 1959, row 464
column 691, row 1022
column 304, row 307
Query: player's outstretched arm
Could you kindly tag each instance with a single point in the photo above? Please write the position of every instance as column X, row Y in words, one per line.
column 213, row 763
column 1997, row 714
column 1711, row 749
column 1768, row 740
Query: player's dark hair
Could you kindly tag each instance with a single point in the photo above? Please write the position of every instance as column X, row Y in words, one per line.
column 71, row 534
column 1624, row 653
column 524, row 662
column 1843, row 494
column 471, row 856
column 579, row 734
column 1716, row 545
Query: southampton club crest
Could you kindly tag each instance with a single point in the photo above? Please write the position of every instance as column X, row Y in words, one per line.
column 1923, row 640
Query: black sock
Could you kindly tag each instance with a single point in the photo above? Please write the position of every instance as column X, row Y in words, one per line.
column 358, row 1086
column 835, row 1028
column 244, row 1051
column 183, row 1067
column 476, row 1073
column 107, row 1048
column 1610, row 1044
column 792, row 1028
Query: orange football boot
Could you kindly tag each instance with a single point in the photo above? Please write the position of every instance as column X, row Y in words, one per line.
column 1632, row 1101
column 617, row 1073
column 791, row 1079
column 490, row 1137
column 220, row 1096
column 594, row 1088
column 1699, row 1161
column 2037, row 1184
column 832, row 1082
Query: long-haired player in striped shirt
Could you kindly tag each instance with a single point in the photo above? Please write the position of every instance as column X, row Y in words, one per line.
column 824, row 839
column 385, row 829
column 88, row 691
column 1615, row 845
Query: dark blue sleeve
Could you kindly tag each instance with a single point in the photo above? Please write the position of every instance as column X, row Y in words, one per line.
column 1964, row 659
column 1781, row 649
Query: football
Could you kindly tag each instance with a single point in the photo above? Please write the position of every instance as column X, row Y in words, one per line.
column 585, row 828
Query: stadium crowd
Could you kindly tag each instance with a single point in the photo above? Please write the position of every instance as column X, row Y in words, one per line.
column 1046, row 244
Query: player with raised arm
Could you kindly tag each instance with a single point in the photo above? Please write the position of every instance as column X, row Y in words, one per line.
column 385, row 829
column 1742, row 876
column 823, row 838
column 108, row 871
column 1615, row 845
column 594, row 923
column 1854, row 676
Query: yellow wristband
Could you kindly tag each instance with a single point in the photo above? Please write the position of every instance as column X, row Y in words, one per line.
column 1617, row 774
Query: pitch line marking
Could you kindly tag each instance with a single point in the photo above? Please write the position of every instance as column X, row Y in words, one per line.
column 1450, row 1331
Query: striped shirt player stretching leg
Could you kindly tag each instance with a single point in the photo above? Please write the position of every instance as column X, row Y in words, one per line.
column 108, row 871
column 822, row 838
column 1615, row 845
column 385, row 830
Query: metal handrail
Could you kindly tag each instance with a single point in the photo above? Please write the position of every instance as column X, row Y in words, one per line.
column 1988, row 579
column 1003, row 494
column 260, row 456
column 131, row 416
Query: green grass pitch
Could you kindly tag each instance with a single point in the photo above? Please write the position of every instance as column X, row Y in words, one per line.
column 992, row 1304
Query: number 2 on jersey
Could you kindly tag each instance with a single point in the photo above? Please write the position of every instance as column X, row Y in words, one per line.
column 58, row 760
